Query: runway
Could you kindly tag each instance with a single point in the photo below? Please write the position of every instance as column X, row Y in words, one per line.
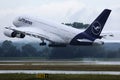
column 59, row 72
column 49, row 64
column 58, row 66
column 38, row 62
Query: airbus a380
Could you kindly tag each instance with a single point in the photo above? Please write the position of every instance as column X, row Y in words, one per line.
column 58, row 35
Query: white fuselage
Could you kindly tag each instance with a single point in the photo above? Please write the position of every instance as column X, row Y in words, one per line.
column 61, row 33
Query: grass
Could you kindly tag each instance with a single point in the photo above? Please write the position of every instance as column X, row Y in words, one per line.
column 62, row 67
column 58, row 77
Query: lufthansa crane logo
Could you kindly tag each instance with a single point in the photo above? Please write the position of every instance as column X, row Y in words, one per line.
column 96, row 28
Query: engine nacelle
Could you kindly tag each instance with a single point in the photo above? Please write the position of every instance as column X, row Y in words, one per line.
column 98, row 42
column 13, row 34
column 10, row 33
column 20, row 35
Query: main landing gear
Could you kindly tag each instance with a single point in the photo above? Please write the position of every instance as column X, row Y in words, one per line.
column 43, row 43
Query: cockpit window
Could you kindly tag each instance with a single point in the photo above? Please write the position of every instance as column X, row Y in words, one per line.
column 25, row 21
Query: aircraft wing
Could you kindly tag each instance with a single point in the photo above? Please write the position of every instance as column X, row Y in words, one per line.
column 107, row 34
column 35, row 32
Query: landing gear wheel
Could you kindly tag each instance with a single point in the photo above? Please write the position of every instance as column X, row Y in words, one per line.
column 42, row 44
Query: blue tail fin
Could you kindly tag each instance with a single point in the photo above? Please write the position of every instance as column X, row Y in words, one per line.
column 94, row 30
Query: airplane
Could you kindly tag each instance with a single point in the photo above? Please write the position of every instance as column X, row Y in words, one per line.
column 58, row 35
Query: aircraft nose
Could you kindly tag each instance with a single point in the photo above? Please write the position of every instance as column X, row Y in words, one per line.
column 16, row 22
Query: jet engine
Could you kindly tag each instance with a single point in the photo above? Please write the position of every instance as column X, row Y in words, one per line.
column 20, row 35
column 13, row 34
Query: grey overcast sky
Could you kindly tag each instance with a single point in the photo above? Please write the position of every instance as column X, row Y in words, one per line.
column 59, row 10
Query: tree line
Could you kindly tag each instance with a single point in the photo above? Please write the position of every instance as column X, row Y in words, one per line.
column 8, row 49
